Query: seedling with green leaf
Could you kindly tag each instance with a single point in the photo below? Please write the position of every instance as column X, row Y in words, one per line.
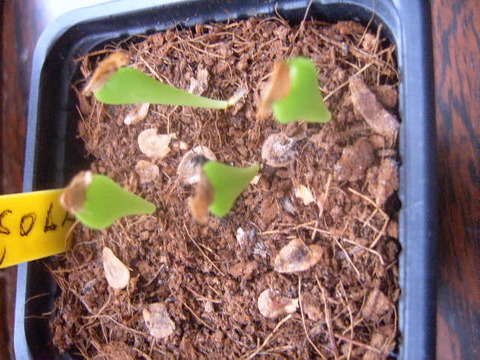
column 293, row 93
column 97, row 201
column 131, row 86
column 114, row 84
column 219, row 188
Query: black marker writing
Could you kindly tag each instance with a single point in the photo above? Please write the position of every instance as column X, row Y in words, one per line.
column 3, row 229
column 3, row 255
column 67, row 218
column 49, row 224
column 26, row 223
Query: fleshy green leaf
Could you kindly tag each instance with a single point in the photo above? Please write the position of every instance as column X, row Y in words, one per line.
column 304, row 102
column 106, row 201
column 228, row 182
column 131, row 86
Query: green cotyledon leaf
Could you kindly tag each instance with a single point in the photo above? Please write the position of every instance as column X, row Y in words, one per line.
column 227, row 182
column 106, row 201
column 132, row 86
column 304, row 100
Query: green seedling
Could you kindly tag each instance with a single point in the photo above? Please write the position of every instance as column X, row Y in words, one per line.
column 227, row 182
column 132, row 86
column 293, row 93
column 218, row 188
column 97, row 201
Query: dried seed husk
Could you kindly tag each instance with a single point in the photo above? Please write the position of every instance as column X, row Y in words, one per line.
column 158, row 321
column 155, row 146
column 138, row 114
column 204, row 196
column 272, row 305
column 199, row 84
column 366, row 104
column 74, row 196
column 304, row 194
column 190, row 167
column 278, row 150
column 376, row 304
column 296, row 257
column 278, row 87
column 104, row 71
column 116, row 273
column 147, row 171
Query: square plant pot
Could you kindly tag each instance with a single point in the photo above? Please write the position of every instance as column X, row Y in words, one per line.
column 54, row 154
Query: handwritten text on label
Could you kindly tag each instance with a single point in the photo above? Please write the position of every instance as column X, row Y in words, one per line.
column 32, row 226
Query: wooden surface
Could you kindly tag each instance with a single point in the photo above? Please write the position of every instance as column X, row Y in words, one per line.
column 456, row 39
column 456, row 36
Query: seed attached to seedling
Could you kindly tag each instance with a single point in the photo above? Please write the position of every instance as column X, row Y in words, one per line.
column 293, row 93
column 277, row 88
column 104, row 71
column 190, row 166
column 74, row 196
column 97, row 201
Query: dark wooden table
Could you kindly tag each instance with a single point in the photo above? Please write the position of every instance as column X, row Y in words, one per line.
column 456, row 38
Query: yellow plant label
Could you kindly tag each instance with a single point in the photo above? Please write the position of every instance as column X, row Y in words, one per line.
column 32, row 226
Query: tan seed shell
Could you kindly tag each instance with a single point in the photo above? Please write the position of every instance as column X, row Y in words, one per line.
column 116, row 273
column 147, row 171
column 278, row 150
column 272, row 305
column 278, row 87
column 199, row 204
column 158, row 321
column 188, row 170
column 74, row 195
column 366, row 104
column 376, row 304
column 199, row 84
column 138, row 113
column 104, row 71
column 155, row 146
column 296, row 256
column 304, row 194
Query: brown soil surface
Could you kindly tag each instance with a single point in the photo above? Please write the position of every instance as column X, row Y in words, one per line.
column 210, row 276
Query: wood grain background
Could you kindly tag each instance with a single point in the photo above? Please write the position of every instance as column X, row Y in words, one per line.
column 456, row 39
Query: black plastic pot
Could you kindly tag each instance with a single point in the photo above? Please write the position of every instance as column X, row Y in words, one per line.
column 53, row 153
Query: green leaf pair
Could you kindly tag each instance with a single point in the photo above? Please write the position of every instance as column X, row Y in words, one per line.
column 106, row 201
column 303, row 101
column 100, row 201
